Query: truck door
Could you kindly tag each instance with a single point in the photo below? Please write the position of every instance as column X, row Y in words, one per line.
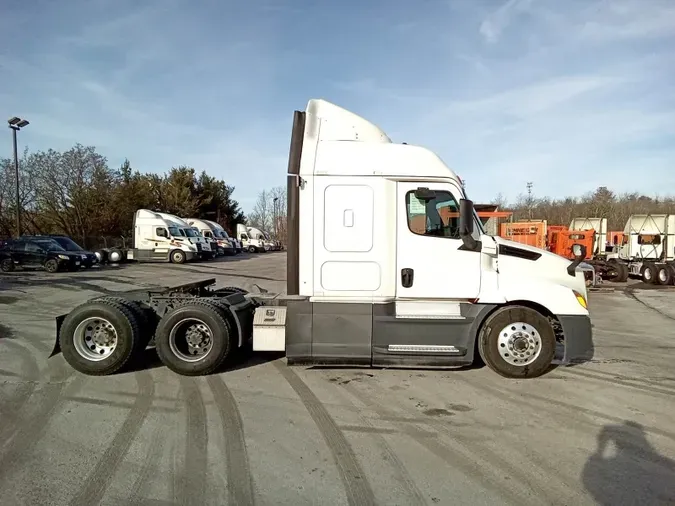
column 431, row 261
column 161, row 243
column 436, row 274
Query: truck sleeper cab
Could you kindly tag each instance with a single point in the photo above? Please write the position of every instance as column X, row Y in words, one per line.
column 387, row 265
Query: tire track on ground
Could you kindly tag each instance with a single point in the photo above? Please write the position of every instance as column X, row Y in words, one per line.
column 461, row 456
column 239, row 479
column 152, row 457
column 33, row 427
column 631, row 295
column 614, row 380
column 357, row 487
column 544, row 404
column 410, row 489
column 98, row 481
column 30, row 371
column 192, row 481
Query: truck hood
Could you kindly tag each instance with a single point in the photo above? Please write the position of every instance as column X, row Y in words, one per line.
column 522, row 261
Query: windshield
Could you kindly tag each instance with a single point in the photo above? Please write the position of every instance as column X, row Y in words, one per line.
column 175, row 231
column 191, row 232
column 68, row 244
column 50, row 245
column 223, row 234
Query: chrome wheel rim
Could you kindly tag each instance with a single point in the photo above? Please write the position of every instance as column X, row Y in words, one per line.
column 519, row 344
column 191, row 339
column 95, row 339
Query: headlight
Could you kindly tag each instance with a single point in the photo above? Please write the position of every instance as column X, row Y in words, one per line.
column 64, row 257
column 581, row 299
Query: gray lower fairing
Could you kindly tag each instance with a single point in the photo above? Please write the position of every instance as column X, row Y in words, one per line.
column 371, row 334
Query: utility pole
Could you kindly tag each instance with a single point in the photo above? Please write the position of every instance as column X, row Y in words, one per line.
column 16, row 124
column 274, row 213
column 529, row 199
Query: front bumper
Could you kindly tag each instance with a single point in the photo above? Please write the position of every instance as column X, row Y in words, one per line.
column 578, row 332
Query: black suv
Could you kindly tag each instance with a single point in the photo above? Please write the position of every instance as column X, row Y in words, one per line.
column 88, row 257
column 35, row 253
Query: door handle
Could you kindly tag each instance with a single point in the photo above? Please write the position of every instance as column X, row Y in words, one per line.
column 407, row 276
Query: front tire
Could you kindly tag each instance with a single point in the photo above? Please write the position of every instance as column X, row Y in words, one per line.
column 517, row 342
column 252, row 249
column 178, row 256
column 99, row 337
column 51, row 266
column 194, row 339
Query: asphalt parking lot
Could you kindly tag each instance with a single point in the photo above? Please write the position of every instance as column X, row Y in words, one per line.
column 264, row 433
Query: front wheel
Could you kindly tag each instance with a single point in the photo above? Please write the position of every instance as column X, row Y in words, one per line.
column 517, row 342
column 51, row 265
column 178, row 256
column 252, row 249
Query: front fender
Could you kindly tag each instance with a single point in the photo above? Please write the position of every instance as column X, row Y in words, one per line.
column 558, row 299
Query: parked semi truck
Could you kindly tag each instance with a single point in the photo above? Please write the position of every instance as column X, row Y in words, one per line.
column 192, row 234
column 362, row 287
column 213, row 233
column 251, row 238
column 156, row 239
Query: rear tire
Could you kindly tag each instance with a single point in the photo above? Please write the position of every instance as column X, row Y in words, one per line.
column 517, row 342
column 146, row 318
column 99, row 337
column 648, row 273
column 664, row 274
column 624, row 272
column 194, row 339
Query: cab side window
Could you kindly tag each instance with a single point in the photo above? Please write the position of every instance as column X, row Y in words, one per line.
column 438, row 217
column 161, row 232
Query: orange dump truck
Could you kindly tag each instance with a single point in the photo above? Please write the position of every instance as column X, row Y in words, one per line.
column 561, row 240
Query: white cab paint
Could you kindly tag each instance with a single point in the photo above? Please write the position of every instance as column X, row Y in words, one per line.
column 354, row 237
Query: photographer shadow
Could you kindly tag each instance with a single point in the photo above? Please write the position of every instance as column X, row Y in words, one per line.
column 633, row 474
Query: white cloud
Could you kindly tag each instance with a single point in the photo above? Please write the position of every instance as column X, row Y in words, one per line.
column 493, row 25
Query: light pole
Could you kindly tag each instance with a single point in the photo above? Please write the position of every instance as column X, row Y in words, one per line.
column 17, row 124
column 276, row 234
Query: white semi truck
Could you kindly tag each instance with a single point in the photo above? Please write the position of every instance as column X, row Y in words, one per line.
column 251, row 238
column 156, row 239
column 192, row 234
column 364, row 287
column 648, row 247
column 213, row 233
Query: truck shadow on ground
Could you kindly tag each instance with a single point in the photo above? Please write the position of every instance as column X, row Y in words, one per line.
column 150, row 360
column 627, row 469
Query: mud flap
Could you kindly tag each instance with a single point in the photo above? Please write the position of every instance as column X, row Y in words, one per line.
column 578, row 332
column 57, row 347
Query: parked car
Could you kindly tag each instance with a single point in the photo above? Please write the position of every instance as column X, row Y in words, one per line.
column 37, row 253
column 89, row 258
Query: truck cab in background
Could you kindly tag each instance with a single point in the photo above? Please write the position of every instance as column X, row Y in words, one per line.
column 251, row 238
column 191, row 235
column 211, row 234
column 158, row 240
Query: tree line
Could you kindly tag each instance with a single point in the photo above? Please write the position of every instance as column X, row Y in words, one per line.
column 601, row 203
column 77, row 193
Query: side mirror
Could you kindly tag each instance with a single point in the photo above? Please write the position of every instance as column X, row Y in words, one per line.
column 425, row 194
column 579, row 252
column 466, row 224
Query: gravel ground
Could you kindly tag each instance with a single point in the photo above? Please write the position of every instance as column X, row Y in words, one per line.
column 264, row 433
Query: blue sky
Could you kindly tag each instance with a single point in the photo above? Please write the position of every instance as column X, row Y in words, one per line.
column 567, row 94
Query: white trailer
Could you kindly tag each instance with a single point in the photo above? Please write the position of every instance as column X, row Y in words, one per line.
column 363, row 286
column 649, row 247
column 156, row 239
